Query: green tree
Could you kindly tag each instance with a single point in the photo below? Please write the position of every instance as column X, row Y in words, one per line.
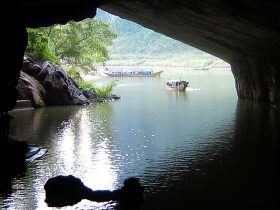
column 80, row 43
column 38, row 46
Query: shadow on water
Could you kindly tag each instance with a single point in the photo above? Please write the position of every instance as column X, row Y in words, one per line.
column 240, row 175
column 178, row 95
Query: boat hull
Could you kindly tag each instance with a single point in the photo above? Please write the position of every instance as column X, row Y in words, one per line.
column 134, row 75
column 182, row 87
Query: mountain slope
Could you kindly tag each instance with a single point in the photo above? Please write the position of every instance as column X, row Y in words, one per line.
column 136, row 45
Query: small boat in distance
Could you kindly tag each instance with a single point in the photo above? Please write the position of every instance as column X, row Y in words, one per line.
column 177, row 85
column 130, row 73
column 205, row 68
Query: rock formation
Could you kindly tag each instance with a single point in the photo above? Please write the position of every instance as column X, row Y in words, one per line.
column 48, row 85
column 30, row 89
column 60, row 90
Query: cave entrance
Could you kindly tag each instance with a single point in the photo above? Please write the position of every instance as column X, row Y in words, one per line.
column 165, row 138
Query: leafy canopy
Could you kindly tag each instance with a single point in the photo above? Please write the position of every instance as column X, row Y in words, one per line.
column 38, row 46
column 82, row 43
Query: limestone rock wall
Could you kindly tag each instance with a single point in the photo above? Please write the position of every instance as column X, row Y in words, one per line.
column 257, row 78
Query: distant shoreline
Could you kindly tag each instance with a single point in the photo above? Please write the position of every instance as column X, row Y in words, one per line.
column 164, row 68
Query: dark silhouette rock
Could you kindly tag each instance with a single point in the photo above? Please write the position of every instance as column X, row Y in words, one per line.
column 12, row 155
column 30, row 89
column 13, row 57
column 130, row 194
column 69, row 190
column 64, row 191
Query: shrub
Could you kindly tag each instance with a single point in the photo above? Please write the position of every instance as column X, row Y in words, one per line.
column 74, row 73
column 106, row 90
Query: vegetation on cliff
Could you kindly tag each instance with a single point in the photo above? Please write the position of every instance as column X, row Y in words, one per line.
column 104, row 91
column 38, row 46
column 78, row 43
column 82, row 44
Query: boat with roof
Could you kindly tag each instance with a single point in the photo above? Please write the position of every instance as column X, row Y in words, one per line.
column 177, row 84
column 131, row 73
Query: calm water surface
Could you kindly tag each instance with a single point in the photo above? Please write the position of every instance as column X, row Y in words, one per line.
column 196, row 149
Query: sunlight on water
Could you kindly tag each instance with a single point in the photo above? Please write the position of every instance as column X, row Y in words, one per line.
column 66, row 149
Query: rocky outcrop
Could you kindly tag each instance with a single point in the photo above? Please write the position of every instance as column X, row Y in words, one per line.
column 30, row 67
column 30, row 89
column 49, row 85
column 60, row 90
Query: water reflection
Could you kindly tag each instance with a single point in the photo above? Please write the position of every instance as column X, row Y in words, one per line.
column 177, row 95
column 80, row 147
column 78, row 142
column 31, row 125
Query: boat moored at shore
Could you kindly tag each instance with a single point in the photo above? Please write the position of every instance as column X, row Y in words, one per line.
column 132, row 73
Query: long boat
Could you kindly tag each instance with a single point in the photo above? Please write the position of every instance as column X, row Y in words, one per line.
column 132, row 73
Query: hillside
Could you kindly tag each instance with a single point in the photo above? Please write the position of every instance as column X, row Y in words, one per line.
column 137, row 45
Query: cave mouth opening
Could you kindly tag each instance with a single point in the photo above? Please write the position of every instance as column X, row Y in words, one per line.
column 112, row 43
column 256, row 70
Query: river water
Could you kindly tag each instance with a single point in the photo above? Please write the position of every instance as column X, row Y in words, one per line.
column 199, row 149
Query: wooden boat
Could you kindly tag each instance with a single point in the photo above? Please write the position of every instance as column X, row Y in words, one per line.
column 177, row 85
column 132, row 73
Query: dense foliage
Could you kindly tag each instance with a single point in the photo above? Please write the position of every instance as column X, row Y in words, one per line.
column 38, row 46
column 80, row 43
